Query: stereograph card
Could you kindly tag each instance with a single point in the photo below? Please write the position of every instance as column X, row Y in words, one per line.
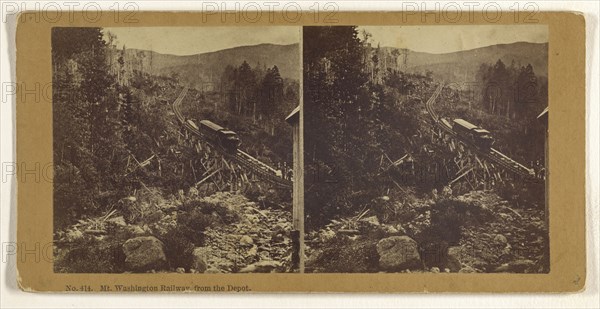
column 354, row 152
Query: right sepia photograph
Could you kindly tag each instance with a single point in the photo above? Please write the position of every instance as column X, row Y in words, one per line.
column 425, row 149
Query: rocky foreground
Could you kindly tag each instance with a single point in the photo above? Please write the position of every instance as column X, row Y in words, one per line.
column 475, row 232
column 221, row 233
column 258, row 242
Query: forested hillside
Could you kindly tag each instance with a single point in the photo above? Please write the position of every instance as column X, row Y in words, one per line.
column 352, row 119
column 104, row 126
column 133, row 190
column 384, row 192
column 253, row 102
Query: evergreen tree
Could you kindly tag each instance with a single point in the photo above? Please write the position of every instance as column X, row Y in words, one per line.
column 340, row 122
column 246, row 88
column 526, row 94
column 271, row 98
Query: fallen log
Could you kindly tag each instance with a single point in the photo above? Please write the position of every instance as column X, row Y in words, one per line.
column 207, row 177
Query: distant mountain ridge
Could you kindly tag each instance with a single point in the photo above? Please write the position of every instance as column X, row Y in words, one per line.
column 463, row 65
column 201, row 70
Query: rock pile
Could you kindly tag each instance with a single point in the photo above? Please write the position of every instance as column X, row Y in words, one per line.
column 260, row 241
column 488, row 235
column 226, row 232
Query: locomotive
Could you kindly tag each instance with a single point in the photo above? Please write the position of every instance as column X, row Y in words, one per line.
column 218, row 135
column 473, row 133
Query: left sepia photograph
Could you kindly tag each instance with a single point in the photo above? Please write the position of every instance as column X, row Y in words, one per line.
column 173, row 149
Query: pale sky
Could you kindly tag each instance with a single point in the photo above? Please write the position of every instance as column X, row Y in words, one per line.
column 446, row 39
column 196, row 40
column 432, row 39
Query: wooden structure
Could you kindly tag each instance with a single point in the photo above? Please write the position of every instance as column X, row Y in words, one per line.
column 468, row 170
column 212, row 170
column 298, row 193
column 244, row 161
column 480, row 167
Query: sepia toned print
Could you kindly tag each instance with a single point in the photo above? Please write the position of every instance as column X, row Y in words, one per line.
column 172, row 151
column 138, row 192
column 426, row 149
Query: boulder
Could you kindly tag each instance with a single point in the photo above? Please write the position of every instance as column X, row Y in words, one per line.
column 246, row 240
column 372, row 220
column 120, row 221
column 200, row 258
column 467, row 270
column 264, row 255
column 144, row 253
column 252, row 251
column 136, row 230
column 453, row 261
column 261, row 267
column 501, row 239
column 213, row 270
column 390, row 230
column 248, row 269
column 398, row 253
column 267, row 265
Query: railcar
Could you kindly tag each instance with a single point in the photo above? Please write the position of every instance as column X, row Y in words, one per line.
column 218, row 135
column 479, row 136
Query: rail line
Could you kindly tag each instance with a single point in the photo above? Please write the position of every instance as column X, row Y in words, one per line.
column 492, row 154
column 246, row 161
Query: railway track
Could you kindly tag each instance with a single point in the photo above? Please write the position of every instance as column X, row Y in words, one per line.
column 492, row 154
column 246, row 161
